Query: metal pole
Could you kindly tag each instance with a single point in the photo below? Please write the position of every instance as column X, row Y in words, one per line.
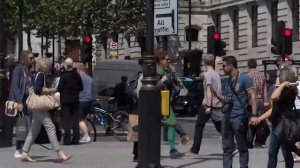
column 53, row 51
column 2, row 34
column 2, row 37
column 149, row 103
column 190, row 26
column 20, row 31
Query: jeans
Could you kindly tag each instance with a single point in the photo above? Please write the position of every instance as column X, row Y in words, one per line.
column 179, row 130
column 199, row 127
column 230, row 129
column 273, row 152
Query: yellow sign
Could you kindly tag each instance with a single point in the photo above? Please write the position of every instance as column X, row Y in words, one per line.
column 113, row 54
column 165, row 102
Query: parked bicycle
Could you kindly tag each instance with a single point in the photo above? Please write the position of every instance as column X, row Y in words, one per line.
column 113, row 122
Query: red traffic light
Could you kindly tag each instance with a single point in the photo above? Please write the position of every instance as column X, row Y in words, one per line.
column 88, row 40
column 217, row 36
column 287, row 32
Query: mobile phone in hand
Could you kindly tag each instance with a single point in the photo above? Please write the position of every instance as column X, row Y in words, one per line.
column 294, row 84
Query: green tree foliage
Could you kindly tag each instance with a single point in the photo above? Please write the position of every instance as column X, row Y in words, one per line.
column 73, row 18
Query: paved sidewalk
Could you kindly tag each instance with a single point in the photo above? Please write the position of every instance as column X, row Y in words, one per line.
column 113, row 154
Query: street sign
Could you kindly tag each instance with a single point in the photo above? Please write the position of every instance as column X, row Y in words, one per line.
column 113, row 45
column 165, row 17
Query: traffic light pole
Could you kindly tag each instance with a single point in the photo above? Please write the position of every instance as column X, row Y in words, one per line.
column 149, row 103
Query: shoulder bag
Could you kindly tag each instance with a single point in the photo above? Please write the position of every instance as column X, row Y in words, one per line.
column 40, row 102
column 11, row 107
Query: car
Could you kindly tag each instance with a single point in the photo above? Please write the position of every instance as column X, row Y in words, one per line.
column 189, row 100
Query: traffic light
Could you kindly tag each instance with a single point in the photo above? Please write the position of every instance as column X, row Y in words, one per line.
column 87, row 49
column 210, row 40
column 214, row 43
column 288, row 43
column 274, row 47
column 219, row 45
column 282, row 44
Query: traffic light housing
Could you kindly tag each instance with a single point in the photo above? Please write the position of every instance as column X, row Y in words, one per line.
column 215, row 45
column 288, row 43
column 282, row 44
column 87, row 49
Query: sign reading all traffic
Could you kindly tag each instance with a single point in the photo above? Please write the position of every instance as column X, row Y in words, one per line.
column 165, row 17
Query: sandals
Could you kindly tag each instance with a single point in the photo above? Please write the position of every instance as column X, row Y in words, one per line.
column 61, row 160
column 26, row 158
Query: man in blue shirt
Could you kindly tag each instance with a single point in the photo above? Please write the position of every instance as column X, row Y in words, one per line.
column 85, row 101
column 238, row 90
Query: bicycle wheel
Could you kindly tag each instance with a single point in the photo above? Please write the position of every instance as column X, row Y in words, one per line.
column 120, row 126
column 91, row 129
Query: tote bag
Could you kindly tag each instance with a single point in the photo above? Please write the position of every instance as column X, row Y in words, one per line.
column 40, row 102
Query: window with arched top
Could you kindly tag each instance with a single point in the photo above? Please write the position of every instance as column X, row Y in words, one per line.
column 194, row 34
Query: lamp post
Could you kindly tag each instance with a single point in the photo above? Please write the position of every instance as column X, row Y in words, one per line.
column 149, row 103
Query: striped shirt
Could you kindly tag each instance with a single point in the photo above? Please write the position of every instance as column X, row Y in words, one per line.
column 259, row 82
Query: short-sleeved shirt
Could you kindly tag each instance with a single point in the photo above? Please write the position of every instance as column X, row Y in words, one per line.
column 240, row 101
column 86, row 93
column 211, row 77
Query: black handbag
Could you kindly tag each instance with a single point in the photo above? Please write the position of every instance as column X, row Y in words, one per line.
column 42, row 138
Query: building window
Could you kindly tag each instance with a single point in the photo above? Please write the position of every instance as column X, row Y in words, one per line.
column 218, row 22
column 194, row 34
column 295, row 13
column 274, row 17
column 235, row 22
column 254, row 25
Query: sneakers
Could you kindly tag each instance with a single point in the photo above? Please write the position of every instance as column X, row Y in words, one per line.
column 235, row 152
column 18, row 154
column 174, row 154
column 85, row 140
column 185, row 139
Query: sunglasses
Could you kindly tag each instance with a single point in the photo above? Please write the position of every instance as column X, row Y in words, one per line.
column 225, row 66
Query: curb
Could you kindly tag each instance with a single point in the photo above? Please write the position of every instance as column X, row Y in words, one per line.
column 187, row 119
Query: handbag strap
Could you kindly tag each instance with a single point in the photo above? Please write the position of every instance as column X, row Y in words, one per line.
column 44, row 78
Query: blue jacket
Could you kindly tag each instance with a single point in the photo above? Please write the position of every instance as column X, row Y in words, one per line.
column 18, row 84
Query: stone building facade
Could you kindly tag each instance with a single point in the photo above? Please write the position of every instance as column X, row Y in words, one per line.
column 247, row 26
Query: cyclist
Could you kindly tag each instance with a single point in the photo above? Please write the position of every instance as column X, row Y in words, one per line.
column 85, row 101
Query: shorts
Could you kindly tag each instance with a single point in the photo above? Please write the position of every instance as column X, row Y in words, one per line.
column 85, row 108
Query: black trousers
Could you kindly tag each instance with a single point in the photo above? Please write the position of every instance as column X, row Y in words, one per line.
column 70, row 121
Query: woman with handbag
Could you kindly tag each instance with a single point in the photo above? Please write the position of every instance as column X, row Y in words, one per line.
column 42, row 118
column 282, row 105
column 21, row 80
